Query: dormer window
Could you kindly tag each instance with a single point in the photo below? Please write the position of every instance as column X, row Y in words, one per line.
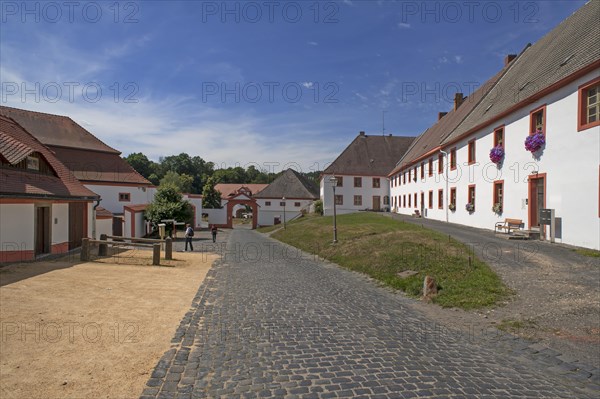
column 33, row 163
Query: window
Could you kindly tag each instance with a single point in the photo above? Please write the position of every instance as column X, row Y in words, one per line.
column 339, row 199
column 499, row 136
column 376, row 182
column 589, row 105
column 358, row 182
column 404, row 201
column 33, row 163
column 422, row 170
column 430, row 199
column 409, row 201
column 415, row 199
column 267, row 203
column 297, row 204
column 415, row 169
column 453, row 158
column 340, row 181
column 358, row 200
column 282, row 203
column 537, row 120
column 124, row 197
column 453, row 196
column 440, row 199
column 441, row 163
column 471, row 149
column 386, row 200
column 471, row 195
column 499, row 193
column 404, row 177
column 430, row 166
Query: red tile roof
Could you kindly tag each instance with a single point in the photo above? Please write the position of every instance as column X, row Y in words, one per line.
column 103, row 213
column 24, row 183
column 90, row 167
column 13, row 150
column 228, row 189
column 136, row 208
column 56, row 130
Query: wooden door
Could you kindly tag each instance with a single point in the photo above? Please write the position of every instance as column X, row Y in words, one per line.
column 537, row 200
column 76, row 224
column 42, row 230
column 376, row 203
column 117, row 229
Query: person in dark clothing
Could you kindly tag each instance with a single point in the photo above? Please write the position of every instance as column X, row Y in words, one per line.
column 189, row 233
column 213, row 230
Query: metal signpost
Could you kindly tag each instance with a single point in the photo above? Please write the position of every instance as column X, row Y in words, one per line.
column 547, row 219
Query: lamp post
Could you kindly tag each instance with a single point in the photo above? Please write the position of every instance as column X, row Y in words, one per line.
column 334, row 181
column 284, row 224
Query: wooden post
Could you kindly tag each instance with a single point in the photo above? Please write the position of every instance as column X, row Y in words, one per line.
column 156, row 254
column 103, row 248
column 85, row 249
column 168, row 248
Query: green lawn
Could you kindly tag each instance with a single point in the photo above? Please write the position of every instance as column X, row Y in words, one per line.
column 383, row 247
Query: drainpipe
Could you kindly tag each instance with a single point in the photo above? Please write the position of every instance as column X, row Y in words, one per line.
column 94, row 218
column 446, row 165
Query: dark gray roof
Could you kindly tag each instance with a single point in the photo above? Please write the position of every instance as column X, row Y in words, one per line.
column 290, row 184
column 568, row 48
column 370, row 155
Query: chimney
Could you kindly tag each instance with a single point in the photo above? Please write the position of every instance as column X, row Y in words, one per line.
column 458, row 100
column 508, row 59
column 441, row 115
column 361, row 133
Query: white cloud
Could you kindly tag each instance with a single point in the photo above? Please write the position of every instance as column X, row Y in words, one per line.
column 313, row 43
column 458, row 59
column 308, row 85
column 403, row 25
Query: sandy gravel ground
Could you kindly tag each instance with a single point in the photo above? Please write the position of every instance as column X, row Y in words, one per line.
column 90, row 330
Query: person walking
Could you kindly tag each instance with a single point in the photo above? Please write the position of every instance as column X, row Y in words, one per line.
column 213, row 230
column 189, row 233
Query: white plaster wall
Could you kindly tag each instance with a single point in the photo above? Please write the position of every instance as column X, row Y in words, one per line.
column 103, row 226
column 216, row 216
column 349, row 191
column 570, row 160
column 140, row 225
column 17, row 227
column 128, row 218
column 59, row 222
column 268, row 213
column 110, row 196
column 197, row 202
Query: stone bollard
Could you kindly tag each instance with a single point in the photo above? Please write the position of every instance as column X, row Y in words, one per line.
column 155, row 254
column 169, row 248
column 85, row 250
column 103, row 248
column 429, row 288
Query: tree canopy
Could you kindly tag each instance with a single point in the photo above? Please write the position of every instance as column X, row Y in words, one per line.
column 168, row 203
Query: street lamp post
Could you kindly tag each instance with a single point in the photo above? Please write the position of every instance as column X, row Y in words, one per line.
column 284, row 223
column 334, row 181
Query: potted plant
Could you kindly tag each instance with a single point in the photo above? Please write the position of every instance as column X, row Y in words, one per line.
column 497, row 154
column 497, row 208
column 536, row 141
column 452, row 206
column 470, row 207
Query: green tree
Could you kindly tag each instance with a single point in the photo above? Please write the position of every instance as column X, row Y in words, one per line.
column 182, row 182
column 141, row 164
column 168, row 203
column 211, row 198
column 319, row 207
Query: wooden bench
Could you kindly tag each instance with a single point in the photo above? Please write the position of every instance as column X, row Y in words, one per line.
column 508, row 225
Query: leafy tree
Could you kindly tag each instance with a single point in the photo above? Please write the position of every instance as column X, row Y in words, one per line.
column 168, row 203
column 211, row 198
column 141, row 164
column 319, row 207
column 182, row 182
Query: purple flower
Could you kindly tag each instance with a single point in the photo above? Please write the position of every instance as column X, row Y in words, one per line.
column 535, row 141
column 496, row 154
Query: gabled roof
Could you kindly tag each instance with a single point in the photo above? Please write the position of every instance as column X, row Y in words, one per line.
column 85, row 155
column 228, row 189
column 569, row 48
column 56, row 130
column 431, row 138
column 370, row 155
column 290, row 184
column 12, row 149
column 22, row 183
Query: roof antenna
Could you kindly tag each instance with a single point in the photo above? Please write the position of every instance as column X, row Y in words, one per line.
column 383, row 123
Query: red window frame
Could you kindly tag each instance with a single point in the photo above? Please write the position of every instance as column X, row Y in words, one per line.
column 471, row 151
column 430, row 197
column 497, row 131
column 430, row 166
column 495, row 193
column 441, row 198
column 453, row 158
column 440, row 163
column 533, row 117
column 453, row 196
column 127, row 197
column 422, row 170
column 471, row 195
column 582, row 123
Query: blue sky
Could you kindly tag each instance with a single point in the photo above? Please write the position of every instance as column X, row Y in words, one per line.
column 270, row 83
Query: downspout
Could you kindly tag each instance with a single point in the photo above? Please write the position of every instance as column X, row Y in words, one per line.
column 446, row 165
column 94, row 218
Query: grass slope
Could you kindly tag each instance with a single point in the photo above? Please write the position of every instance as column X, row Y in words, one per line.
column 383, row 247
